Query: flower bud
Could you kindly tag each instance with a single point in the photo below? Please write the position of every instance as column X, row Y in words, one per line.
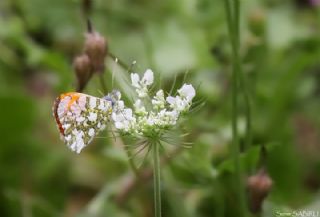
column 96, row 48
column 83, row 69
column 307, row 3
column 257, row 22
column 259, row 186
column 315, row 2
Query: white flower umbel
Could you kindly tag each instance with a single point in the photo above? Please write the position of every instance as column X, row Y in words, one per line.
column 151, row 114
column 150, row 118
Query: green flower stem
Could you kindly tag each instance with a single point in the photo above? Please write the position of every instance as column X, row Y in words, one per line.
column 233, row 18
column 156, row 179
column 244, row 85
column 243, row 80
column 233, row 27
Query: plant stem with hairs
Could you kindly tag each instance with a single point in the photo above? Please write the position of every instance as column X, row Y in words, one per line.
column 233, row 18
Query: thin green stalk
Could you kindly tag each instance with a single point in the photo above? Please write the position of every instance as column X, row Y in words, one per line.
column 131, row 162
column 244, row 85
column 156, row 179
column 243, row 80
column 233, row 27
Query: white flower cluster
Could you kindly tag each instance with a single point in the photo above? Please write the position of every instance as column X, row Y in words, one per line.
column 151, row 114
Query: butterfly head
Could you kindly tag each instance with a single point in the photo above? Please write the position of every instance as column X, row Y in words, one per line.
column 113, row 97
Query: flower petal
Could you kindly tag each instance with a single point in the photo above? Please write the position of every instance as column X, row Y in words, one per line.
column 187, row 91
column 147, row 77
column 171, row 100
column 135, row 80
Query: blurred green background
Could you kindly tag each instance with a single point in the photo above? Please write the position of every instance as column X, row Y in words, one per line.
column 280, row 48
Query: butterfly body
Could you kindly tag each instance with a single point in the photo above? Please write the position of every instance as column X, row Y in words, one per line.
column 80, row 117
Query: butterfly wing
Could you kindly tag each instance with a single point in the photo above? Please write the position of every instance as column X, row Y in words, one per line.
column 80, row 118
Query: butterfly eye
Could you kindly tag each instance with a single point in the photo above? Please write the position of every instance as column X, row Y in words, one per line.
column 109, row 99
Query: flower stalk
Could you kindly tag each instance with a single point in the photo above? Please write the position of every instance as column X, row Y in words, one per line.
column 233, row 18
column 156, row 179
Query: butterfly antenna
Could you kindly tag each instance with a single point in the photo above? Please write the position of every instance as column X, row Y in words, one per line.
column 132, row 65
column 112, row 71
column 101, row 93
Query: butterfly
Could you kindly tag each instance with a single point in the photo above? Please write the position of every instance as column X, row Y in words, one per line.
column 80, row 117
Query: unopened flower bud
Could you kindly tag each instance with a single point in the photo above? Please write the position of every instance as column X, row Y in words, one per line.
column 259, row 186
column 307, row 3
column 96, row 48
column 315, row 2
column 257, row 22
column 83, row 69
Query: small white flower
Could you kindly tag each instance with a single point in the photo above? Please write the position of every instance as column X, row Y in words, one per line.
column 171, row 100
column 178, row 103
column 147, row 77
column 142, row 92
column 123, row 119
column 135, row 79
column 119, row 125
column 120, row 105
column 138, row 107
column 141, row 86
column 150, row 121
column 117, row 117
column 128, row 114
column 158, row 100
column 187, row 92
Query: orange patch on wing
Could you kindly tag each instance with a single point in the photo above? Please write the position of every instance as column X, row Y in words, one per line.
column 74, row 97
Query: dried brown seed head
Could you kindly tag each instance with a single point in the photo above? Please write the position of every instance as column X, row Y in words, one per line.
column 83, row 68
column 96, row 48
column 259, row 185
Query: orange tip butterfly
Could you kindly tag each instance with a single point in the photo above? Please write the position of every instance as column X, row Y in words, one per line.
column 80, row 117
